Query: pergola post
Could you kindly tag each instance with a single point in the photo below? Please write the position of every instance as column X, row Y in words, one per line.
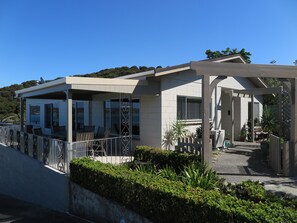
column 69, row 116
column 232, row 117
column 22, row 106
column 206, row 154
column 293, row 137
column 252, row 118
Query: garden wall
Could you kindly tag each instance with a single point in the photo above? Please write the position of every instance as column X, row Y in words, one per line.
column 91, row 206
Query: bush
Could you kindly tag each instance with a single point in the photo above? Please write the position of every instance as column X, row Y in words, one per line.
column 162, row 158
column 255, row 191
column 162, row 200
column 200, row 176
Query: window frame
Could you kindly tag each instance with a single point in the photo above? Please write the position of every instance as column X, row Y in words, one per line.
column 185, row 109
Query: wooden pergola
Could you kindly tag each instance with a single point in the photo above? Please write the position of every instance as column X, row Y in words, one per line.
column 207, row 69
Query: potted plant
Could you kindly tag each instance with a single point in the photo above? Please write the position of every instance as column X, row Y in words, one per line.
column 243, row 133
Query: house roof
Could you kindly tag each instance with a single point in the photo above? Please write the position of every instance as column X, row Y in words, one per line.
column 85, row 87
column 235, row 58
column 144, row 82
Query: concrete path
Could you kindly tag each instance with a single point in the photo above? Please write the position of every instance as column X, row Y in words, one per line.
column 246, row 163
column 13, row 210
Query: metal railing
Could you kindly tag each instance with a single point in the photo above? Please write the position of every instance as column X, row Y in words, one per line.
column 58, row 154
column 106, row 150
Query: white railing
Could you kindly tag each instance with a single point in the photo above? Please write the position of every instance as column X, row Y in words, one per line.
column 58, row 154
column 107, row 150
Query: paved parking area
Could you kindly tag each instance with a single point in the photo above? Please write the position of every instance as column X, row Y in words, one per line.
column 13, row 210
column 246, row 163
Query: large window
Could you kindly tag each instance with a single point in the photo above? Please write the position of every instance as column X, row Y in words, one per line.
column 51, row 115
column 135, row 117
column 112, row 116
column 78, row 118
column 35, row 114
column 189, row 108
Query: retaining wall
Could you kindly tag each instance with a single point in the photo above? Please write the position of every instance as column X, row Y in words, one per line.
column 89, row 205
column 27, row 179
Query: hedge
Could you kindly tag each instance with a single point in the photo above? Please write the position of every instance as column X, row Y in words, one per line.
column 162, row 200
column 162, row 158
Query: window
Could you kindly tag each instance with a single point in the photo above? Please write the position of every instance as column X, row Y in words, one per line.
column 189, row 108
column 112, row 116
column 135, row 117
column 78, row 118
column 51, row 115
column 35, row 114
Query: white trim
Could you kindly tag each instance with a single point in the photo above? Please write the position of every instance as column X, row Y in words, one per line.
column 137, row 75
column 230, row 58
column 157, row 74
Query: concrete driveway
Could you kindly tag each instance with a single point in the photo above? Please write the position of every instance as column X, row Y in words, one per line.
column 246, row 163
column 13, row 210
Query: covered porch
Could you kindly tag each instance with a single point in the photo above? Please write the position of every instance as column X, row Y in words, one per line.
column 86, row 117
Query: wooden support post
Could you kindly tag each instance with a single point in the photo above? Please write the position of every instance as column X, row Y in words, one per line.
column 252, row 118
column 232, row 118
column 293, row 137
column 207, row 153
column 69, row 116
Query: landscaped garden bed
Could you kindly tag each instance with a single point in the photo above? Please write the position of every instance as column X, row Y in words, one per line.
column 169, row 191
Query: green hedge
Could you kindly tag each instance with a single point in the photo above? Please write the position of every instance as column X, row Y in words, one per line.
column 162, row 158
column 162, row 200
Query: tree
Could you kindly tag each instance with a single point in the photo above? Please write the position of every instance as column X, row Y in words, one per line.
column 215, row 54
column 295, row 62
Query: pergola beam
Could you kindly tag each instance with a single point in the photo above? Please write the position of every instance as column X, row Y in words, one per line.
column 243, row 70
column 259, row 91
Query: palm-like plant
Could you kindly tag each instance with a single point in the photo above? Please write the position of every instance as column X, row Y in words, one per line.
column 179, row 129
column 168, row 139
column 199, row 175
column 269, row 121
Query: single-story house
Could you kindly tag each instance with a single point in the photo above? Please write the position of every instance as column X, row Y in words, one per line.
column 139, row 108
column 143, row 105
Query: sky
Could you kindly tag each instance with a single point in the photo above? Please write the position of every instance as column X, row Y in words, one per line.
column 58, row 38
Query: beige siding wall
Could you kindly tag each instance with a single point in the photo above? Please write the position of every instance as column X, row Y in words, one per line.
column 150, row 121
column 189, row 84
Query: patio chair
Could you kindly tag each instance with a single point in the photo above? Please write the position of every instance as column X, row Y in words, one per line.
column 29, row 129
column 59, row 132
column 89, row 128
column 37, row 131
column 102, row 145
column 85, row 141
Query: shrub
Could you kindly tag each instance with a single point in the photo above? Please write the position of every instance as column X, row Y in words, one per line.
column 255, row 191
column 200, row 176
column 162, row 158
column 162, row 200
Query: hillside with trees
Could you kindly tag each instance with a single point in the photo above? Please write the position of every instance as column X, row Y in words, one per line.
column 10, row 106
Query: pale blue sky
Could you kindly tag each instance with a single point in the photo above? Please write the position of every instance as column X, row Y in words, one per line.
column 56, row 38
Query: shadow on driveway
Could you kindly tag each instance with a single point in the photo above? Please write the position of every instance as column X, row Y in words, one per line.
column 243, row 163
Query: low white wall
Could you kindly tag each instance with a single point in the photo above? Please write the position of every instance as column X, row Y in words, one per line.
column 26, row 179
column 93, row 207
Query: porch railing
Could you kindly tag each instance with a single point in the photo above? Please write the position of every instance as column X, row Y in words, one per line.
column 58, row 154
column 106, row 150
